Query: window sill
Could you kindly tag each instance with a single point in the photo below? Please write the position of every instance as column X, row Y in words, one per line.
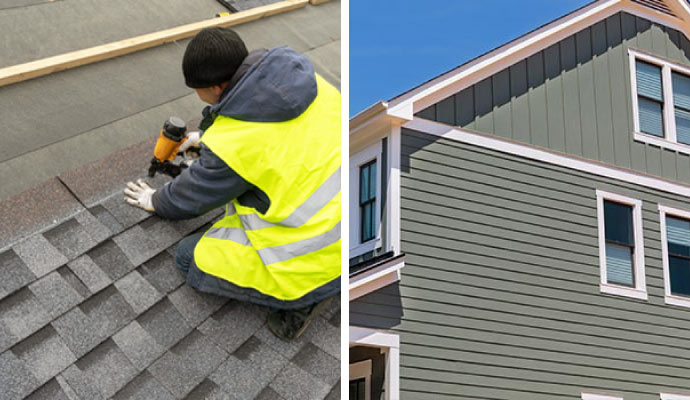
column 661, row 142
column 677, row 300
column 360, row 249
column 623, row 291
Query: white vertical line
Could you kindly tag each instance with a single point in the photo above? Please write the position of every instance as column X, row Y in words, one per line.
column 394, row 192
column 633, row 89
column 669, row 117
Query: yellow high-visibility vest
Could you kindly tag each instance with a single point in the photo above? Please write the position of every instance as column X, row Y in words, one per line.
column 294, row 247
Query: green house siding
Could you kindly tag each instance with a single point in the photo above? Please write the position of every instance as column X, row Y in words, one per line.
column 499, row 297
column 575, row 97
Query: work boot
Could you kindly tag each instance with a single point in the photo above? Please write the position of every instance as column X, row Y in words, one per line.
column 290, row 324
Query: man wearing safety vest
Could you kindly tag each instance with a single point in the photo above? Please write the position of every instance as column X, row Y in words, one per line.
column 270, row 152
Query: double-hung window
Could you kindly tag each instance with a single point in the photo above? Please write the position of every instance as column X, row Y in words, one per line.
column 621, row 249
column 365, row 200
column 661, row 101
column 675, row 250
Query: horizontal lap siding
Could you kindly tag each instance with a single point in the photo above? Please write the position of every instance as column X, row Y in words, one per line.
column 499, row 297
column 575, row 97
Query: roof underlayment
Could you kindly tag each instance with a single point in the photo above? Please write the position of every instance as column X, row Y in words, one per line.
column 65, row 120
column 91, row 304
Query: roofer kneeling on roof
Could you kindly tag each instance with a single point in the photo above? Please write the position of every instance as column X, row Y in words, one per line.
column 270, row 152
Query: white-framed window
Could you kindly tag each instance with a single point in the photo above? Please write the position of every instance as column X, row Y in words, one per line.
column 675, row 252
column 661, row 101
column 365, row 200
column 590, row 396
column 668, row 396
column 360, row 380
column 621, row 246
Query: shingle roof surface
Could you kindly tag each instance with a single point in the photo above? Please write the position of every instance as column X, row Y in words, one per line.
column 92, row 307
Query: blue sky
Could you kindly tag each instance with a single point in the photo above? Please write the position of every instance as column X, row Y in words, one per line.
column 396, row 45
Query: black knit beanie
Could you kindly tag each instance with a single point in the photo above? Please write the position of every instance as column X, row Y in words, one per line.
column 212, row 57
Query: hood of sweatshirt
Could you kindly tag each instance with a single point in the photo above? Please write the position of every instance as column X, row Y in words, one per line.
column 279, row 87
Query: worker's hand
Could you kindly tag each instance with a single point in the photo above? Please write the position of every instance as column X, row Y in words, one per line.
column 193, row 139
column 140, row 194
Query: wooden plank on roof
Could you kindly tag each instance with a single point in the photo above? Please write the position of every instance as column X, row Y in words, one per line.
column 34, row 69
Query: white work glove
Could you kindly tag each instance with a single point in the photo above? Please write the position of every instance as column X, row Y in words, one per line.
column 193, row 139
column 140, row 194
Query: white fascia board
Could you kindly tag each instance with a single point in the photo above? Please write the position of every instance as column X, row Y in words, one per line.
column 547, row 156
column 369, row 337
column 376, row 278
column 404, row 106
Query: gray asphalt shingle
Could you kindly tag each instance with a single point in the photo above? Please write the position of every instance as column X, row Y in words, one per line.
column 111, row 259
column 140, row 347
column 161, row 272
column 50, row 391
column 188, row 363
column 70, row 238
column 164, row 323
column 90, row 274
column 55, row 293
column 16, row 380
column 144, row 387
column 195, row 306
column 39, row 255
column 233, row 324
column 138, row 292
column 101, row 373
column 44, row 353
column 22, row 314
column 308, row 387
column 318, row 363
column 15, row 273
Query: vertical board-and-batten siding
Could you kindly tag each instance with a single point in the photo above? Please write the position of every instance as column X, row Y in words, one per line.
column 499, row 297
column 574, row 97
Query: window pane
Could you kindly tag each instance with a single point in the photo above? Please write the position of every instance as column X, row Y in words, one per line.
column 681, row 90
column 367, row 222
column 372, row 181
column 619, row 266
column 618, row 222
column 678, row 236
column 651, row 117
column 363, row 184
column 679, row 270
column 649, row 80
column 682, row 126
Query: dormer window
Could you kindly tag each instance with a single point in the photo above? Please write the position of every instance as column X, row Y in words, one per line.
column 661, row 101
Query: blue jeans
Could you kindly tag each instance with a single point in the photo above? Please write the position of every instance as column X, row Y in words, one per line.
column 185, row 252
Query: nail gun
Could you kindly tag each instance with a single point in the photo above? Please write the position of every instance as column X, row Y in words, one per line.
column 171, row 137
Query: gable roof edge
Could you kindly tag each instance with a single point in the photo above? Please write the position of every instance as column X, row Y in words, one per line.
column 405, row 105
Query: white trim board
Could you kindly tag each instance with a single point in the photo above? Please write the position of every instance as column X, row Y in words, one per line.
column 376, row 278
column 550, row 157
column 590, row 396
column 669, row 396
column 371, row 153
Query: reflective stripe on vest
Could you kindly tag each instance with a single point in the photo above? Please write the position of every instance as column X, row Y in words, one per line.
column 306, row 210
column 294, row 247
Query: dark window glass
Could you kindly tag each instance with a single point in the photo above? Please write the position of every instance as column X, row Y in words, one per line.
column 357, row 389
column 367, row 201
column 681, row 105
column 620, row 243
column 678, row 238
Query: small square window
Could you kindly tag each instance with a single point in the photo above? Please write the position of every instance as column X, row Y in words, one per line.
column 621, row 249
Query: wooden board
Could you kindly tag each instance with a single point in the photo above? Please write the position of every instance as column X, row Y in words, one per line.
column 30, row 70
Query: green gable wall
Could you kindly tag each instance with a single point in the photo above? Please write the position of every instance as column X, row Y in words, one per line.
column 574, row 97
